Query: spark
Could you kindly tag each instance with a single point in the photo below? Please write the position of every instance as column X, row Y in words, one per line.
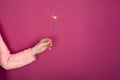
column 54, row 17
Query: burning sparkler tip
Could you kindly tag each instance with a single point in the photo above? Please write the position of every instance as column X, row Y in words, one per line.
column 54, row 17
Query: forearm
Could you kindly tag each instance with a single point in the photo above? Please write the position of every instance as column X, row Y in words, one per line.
column 18, row 60
column 11, row 61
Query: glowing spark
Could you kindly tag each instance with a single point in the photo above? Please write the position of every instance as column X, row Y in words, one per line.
column 54, row 17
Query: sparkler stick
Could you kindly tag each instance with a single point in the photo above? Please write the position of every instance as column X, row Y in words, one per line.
column 53, row 23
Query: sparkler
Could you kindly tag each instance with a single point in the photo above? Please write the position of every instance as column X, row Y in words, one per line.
column 54, row 17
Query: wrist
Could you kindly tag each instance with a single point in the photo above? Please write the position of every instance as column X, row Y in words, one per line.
column 34, row 51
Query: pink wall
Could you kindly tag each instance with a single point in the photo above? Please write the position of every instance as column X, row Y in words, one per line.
column 86, row 38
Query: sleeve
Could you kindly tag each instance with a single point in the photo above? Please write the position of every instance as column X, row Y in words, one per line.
column 11, row 61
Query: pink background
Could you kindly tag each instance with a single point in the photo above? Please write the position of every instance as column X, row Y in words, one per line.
column 86, row 38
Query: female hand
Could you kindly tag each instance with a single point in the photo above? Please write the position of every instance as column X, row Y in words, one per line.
column 43, row 45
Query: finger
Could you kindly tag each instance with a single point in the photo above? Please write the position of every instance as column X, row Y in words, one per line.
column 46, row 39
column 50, row 44
column 47, row 43
column 49, row 48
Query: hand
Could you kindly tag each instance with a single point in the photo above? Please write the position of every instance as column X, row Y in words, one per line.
column 43, row 45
